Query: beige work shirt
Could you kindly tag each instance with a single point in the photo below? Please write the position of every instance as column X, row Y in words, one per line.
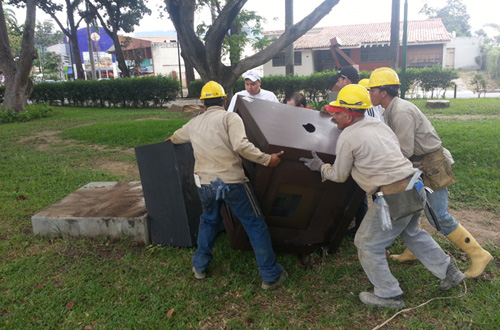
column 218, row 138
column 370, row 152
column 415, row 132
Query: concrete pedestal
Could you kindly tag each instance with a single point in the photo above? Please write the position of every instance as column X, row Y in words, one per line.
column 112, row 209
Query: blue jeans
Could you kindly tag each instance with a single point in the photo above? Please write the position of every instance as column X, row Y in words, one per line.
column 242, row 202
column 439, row 203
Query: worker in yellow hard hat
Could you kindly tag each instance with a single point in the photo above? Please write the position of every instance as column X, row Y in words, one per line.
column 218, row 139
column 422, row 145
column 369, row 151
column 376, row 110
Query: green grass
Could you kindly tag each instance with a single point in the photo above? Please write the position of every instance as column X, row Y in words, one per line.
column 76, row 283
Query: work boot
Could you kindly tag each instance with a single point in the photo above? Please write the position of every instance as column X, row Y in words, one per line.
column 275, row 284
column 369, row 298
column 407, row 255
column 199, row 275
column 479, row 257
column 453, row 277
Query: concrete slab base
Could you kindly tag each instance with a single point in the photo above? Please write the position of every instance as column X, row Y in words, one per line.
column 112, row 209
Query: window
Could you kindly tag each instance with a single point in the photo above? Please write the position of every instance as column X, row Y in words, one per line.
column 375, row 54
column 279, row 60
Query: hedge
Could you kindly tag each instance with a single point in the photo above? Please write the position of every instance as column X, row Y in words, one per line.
column 123, row 92
column 419, row 82
column 157, row 90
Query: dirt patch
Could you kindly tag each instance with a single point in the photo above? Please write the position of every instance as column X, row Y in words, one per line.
column 483, row 225
column 47, row 140
column 127, row 171
column 465, row 78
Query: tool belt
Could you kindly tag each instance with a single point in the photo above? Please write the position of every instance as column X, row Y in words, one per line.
column 395, row 187
column 438, row 173
column 402, row 202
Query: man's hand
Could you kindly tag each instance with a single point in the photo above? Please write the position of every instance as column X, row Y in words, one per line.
column 168, row 139
column 275, row 159
column 314, row 163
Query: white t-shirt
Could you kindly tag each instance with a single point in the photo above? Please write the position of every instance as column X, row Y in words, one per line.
column 375, row 112
column 263, row 95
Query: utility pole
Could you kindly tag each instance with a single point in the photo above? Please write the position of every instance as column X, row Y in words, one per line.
column 289, row 54
column 91, row 52
column 394, row 47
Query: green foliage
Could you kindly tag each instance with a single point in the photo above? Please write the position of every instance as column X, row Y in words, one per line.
column 195, row 87
column 479, row 84
column 434, row 80
column 493, row 63
column 135, row 92
column 316, row 86
column 246, row 29
column 124, row 133
column 31, row 112
column 454, row 16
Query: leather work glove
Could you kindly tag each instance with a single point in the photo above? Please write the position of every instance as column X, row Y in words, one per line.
column 314, row 163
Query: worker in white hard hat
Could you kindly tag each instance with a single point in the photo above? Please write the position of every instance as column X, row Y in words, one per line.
column 253, row 89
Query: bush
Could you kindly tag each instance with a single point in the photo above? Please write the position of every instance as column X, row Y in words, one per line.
column 134, row 92
column 30, row 112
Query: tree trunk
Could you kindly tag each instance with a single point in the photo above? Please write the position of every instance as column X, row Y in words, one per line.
column 206, row 57
column 77, row 58
column 394, row 47
column 289, row 53
column 18, row 85
column 119, row 55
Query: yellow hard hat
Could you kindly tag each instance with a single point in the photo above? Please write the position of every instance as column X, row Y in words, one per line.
column 383, row 77
column 212, row 90
column 364, row 82
column 353, row 97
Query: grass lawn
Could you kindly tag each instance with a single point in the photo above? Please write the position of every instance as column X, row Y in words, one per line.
column 77, row 283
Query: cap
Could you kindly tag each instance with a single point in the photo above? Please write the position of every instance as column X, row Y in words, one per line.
column 252, row 75
column 349, row 72
column 333, row 109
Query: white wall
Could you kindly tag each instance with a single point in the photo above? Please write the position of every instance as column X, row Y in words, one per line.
column 305, row 69
column 466, row 50
column 166, row 60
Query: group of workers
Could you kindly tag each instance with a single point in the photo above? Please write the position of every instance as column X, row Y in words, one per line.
column 387, row 145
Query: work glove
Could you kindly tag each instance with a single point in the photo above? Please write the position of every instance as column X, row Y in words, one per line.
column 314, row 163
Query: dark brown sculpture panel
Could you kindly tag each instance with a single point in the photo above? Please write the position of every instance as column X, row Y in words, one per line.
column 302, row 212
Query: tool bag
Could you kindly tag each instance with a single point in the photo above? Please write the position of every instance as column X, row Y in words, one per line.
column 406, row 202
column 438, row 173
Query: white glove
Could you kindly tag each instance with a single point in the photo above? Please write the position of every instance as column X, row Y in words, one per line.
column 314, row 163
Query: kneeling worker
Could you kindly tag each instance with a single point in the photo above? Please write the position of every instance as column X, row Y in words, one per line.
column 363, row 143
column 218, row 139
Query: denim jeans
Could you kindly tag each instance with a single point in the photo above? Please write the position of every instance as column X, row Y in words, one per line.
column 242, row 202
column 439, row 203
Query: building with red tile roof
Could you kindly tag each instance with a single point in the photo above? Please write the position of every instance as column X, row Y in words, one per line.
column 363, row 45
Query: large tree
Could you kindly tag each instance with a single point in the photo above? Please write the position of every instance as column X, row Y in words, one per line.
column 18, row 85
column 116, row 16
column 71, row 7
column 454, row 16
column 205, row 55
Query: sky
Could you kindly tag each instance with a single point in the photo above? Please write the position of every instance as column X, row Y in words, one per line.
column 346, row 12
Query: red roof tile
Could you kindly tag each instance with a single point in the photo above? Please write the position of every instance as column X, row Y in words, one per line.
column 352, row 36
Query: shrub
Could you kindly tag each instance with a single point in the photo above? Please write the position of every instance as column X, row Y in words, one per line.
column 30, row 112
column 135, row 92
